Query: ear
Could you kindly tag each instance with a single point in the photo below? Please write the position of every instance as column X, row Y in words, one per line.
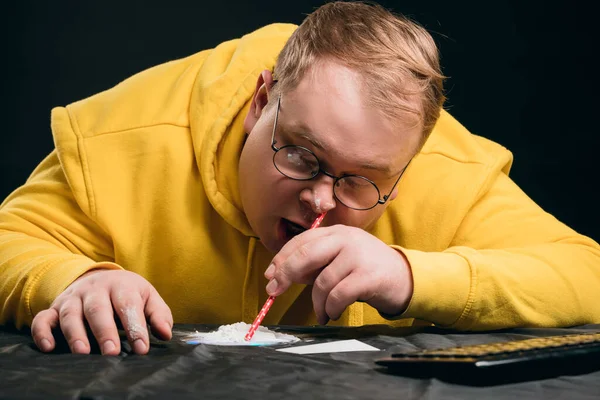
column 260, row 99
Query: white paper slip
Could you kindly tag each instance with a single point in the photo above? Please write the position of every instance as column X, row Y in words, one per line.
column 330, row 347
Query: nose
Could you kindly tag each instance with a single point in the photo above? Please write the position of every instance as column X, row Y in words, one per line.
column 319, row 194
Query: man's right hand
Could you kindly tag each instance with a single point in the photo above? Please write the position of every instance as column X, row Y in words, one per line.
column 95, row 297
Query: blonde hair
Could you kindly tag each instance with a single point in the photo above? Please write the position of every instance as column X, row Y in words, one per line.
column 397, row 58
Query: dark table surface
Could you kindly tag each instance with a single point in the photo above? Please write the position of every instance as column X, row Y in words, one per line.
column 178, row 370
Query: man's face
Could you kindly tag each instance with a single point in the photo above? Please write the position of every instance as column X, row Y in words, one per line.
column 327, row 114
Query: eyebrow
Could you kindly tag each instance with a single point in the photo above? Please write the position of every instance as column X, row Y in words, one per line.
column 315, row 142
column 370, row 166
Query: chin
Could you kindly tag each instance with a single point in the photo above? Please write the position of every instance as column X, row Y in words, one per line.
column 272, row 245
column 276, row 238
column 271, row 242
column 273, row 249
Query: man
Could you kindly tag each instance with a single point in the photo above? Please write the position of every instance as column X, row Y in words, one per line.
column 186, row 190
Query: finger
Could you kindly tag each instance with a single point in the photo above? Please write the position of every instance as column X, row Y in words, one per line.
column 130, row 309
column 299, row 240
column 41, row 329
column 303, row 264
column 352, row 288
column 292, row 245
column 98, row 312
column 159, row 315
column 72, row 325
column 325, row 282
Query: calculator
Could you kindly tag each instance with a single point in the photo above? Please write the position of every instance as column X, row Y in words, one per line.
column 572, row 351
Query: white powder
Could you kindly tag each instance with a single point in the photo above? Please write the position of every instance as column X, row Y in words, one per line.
column 233, row 335
column 134, row 328
column 317, row 202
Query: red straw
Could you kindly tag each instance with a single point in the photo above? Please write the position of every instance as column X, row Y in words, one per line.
column 265, row 309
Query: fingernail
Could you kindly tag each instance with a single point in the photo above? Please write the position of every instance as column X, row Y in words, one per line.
column 108, row 347
column 270, row 271
column 272, row 287
column 139, row 347
column 79, row 347
column 45, row 345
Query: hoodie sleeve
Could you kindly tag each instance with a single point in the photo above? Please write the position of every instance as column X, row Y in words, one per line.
column 510, row 264
column 46, row 242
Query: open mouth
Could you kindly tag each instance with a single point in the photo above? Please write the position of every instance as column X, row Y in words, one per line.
column 292, row 229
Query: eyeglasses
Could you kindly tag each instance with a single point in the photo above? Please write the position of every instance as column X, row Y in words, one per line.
column 301, row 164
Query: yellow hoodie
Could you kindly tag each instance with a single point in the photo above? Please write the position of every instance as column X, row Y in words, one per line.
column 144, row 177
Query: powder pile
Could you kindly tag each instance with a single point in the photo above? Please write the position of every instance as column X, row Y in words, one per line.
column 233, row 334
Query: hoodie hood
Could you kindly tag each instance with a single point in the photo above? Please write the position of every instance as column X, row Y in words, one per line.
column 223, row 89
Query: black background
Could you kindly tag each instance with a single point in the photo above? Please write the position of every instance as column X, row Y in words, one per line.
column 521, row 73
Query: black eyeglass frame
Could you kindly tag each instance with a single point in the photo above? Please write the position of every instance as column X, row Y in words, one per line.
column 381, row 200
